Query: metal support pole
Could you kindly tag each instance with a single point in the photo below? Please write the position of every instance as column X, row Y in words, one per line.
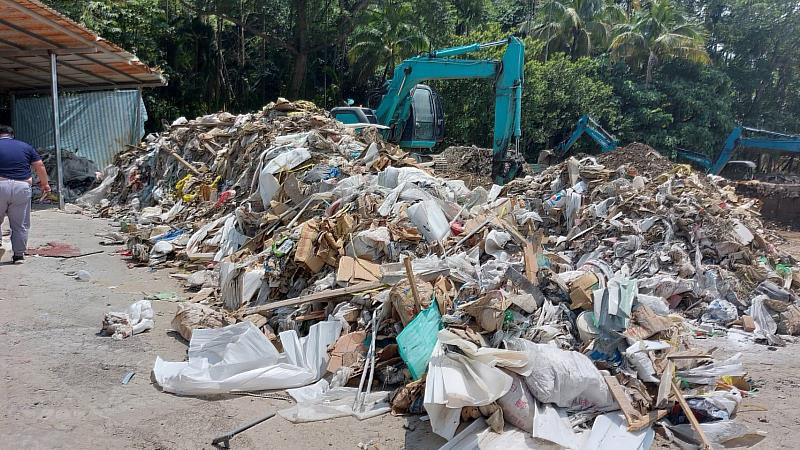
column 57, row 129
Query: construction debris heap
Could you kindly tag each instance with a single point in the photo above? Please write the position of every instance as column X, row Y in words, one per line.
column 336, row 266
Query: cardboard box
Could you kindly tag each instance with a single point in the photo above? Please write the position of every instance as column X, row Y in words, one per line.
column 352, row 270
column 306, row 247
column 580, row 292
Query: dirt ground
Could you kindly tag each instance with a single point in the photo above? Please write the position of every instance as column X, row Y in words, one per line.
column 61, row 381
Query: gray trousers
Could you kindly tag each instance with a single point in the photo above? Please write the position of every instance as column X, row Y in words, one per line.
column 15, row 202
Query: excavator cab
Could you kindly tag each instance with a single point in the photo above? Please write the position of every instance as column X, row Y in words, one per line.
column 424, row 127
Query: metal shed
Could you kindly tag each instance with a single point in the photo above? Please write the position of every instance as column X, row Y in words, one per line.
column 41, row 51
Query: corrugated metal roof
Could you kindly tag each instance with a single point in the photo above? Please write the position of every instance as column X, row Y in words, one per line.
column 29, row 31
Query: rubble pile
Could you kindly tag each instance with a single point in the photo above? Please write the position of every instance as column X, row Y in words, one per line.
column 471, row 164
column 329, row 263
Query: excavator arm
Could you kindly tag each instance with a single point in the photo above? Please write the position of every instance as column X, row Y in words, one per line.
column 395, row 107
column 587, row 125
column 777, row 142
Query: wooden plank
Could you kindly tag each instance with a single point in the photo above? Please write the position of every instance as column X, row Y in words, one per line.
column 648, row 420
column 531, row 267
column 666, row 385
column 512, row 230
column 413, row 282
column 632, row 415
column 706, row 444
column 316, row 297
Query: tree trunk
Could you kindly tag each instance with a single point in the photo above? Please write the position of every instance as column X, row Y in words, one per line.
column 301, row 44
column 574, row 45
column 652, row 61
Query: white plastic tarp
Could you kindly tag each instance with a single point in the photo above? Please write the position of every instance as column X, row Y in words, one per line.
column 240, row 358
column 321, row 402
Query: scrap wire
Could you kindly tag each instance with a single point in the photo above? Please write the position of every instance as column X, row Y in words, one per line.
column 269, row 395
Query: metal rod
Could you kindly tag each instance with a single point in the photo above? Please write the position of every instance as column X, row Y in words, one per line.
column 375, row 323
column 224, row 440
column 57, row 129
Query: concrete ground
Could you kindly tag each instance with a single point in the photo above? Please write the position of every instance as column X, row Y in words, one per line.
column 61, row 382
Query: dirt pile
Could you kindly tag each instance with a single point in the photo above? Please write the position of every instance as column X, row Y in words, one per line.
column 646, row 160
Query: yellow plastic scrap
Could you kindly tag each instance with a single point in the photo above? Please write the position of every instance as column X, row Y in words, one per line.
column 189, row 188
column 681, row 170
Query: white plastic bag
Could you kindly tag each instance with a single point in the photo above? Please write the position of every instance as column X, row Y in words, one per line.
column 765, row 324
column 466, row 378
column 138, row 317
column 568, row 379
column 517, row 405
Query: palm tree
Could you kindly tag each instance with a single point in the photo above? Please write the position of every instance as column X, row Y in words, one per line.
column 659, row 31
column 388, row 35
column 576, row 27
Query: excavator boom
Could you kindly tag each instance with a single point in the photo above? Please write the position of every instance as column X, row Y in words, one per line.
column 398, row 108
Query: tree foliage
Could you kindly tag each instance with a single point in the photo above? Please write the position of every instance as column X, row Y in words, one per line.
column 672, row 73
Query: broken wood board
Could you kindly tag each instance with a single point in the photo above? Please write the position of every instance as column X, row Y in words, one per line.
column 692, row 354
column 316, row 297
column 633, row 417
column 665, row 386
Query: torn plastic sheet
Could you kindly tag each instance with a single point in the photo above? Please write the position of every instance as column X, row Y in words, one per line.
column 721, row 312
column 456, row 380
column 610, row 432
column 321, row 402
column 287, row 160
column 229, row 238
column 495, row 241
column 268, row 186
column 710, row 373
column 429, row 218
column 240, row 358
column 478, row 436
column 551, row 424
column 717, row 432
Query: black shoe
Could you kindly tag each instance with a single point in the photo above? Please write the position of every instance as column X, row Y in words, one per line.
column 17, row 259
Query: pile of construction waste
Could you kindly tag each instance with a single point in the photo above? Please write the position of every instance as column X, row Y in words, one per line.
column 79, row 173
column 561, row 307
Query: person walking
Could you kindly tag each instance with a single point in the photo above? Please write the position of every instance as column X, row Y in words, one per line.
column 17, row 160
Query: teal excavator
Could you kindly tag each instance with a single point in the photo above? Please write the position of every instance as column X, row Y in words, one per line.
column 411, row 113
column 743, row 138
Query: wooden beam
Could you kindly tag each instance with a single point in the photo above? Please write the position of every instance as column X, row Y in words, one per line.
column 40, row 69
column 16, row 75
column 88, row 88
column 705, row 443
column 323, row 296
column 23, row 52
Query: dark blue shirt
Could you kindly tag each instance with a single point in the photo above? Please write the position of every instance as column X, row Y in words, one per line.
column 16, row 158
